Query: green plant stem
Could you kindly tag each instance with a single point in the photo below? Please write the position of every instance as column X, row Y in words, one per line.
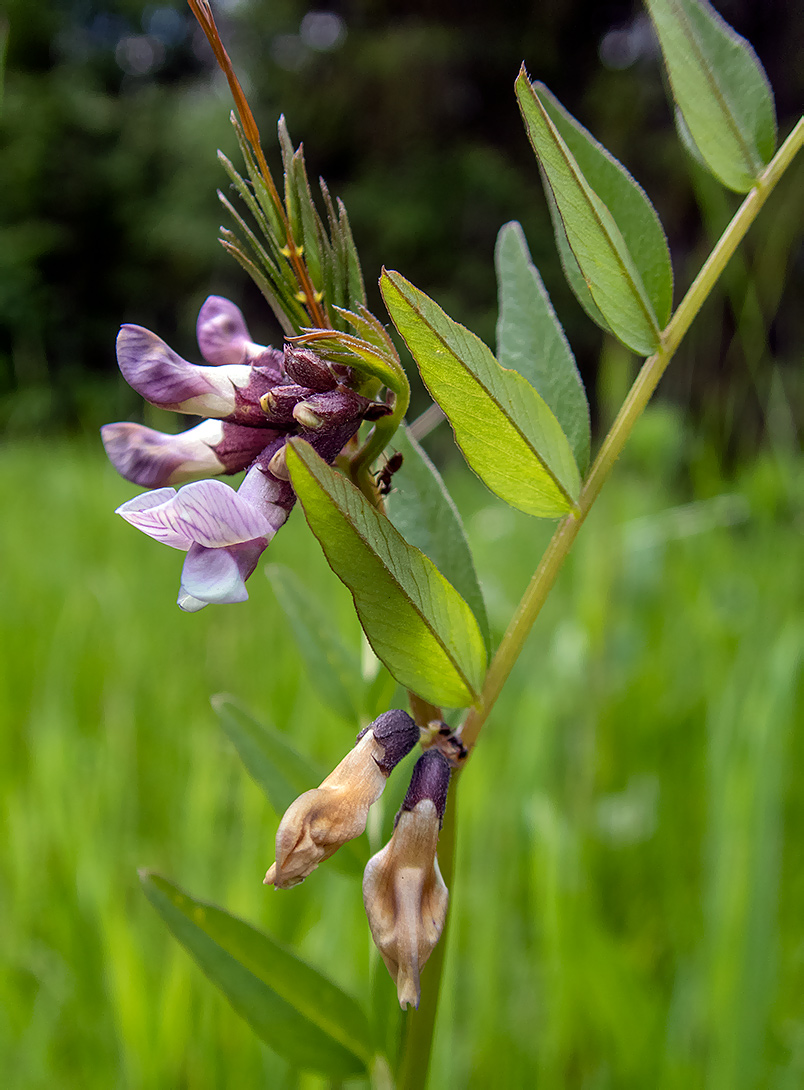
column 419, row 1025
column 640, row 393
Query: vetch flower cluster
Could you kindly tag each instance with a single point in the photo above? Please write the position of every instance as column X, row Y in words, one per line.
column 253, row 398
column 403, row 892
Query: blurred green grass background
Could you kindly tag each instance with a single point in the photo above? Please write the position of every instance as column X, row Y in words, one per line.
column 627, row 909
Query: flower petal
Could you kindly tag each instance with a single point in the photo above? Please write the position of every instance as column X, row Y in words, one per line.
column 154, row 370
column 272, row 497
column 152, row 458
column 207, row 513
column 223, row 335
column 218, row 575
column 146, row 513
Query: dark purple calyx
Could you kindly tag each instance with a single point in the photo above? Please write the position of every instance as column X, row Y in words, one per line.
column 325, row 411
column 241, row 444
column 279, row 402
column 396, row 732
column 270, row 363
column 248, row 409
column 430, row 780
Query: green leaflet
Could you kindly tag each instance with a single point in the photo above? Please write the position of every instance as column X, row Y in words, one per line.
column 597, row 243
column 333, row 669
column 423, row 511
column 270, row 759
column 280, row 770
column 720, row 88
column 298, row 1012
column 416, row 622
column 507, row 433
column 530, row 340
column 572, row 272
column 628, row 203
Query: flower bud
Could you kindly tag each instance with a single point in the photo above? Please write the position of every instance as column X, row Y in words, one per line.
column 278, row 465
column 307, row 369
column 278, row 404
column 330, row 410
column 320, row 821
column 403, row 891
column 222, row 333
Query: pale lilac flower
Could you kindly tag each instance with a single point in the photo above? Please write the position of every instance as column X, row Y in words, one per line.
column 253, row 397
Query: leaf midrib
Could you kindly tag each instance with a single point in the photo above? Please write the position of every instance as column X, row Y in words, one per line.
column 719, row 95
column 583, row 186
column 550, row 472
column 436, row 635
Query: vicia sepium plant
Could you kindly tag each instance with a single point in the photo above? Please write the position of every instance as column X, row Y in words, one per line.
column 309, row 419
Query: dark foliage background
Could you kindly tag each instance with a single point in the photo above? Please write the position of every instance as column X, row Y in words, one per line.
column 113, row 111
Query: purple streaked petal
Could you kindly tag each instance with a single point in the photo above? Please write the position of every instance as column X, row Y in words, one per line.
column 223, row 335
column 272, row 497
column 218, row 575
column 154, row 370
column 146, row 512
column 151, row 458
column 207, row 513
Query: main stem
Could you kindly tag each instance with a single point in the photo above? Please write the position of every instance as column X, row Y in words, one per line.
column 634, row 405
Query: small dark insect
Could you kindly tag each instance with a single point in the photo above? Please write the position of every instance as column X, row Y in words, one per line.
column 386, row 473
column 451, row 746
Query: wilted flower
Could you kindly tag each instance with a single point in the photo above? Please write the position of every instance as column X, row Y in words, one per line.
column 403, row 891
column 254, row 398
column 321, row 820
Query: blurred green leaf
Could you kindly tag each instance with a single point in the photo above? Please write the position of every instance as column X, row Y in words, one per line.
column 423, row 511
column 332, row 668
column 281, row 771
column 415, row 621
column 380, row 694
column 507, row 433
column 3, row 52
column 628, row 203
column 298, row 1012
column 597, row 242
column 271, row 761
column 749, row 733
column 530, row 340
column 720, row 87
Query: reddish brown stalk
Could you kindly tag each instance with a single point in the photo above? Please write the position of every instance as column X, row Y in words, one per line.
column 202, row 10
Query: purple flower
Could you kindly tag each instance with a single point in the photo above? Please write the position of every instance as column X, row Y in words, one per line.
column 254, row 398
